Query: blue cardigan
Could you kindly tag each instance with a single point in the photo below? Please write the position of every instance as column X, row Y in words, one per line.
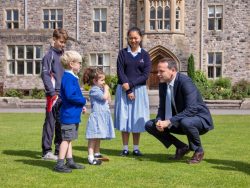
column 72, row 99
column 133, row 70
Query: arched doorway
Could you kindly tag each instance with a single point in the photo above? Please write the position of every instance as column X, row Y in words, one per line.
column 156, row 54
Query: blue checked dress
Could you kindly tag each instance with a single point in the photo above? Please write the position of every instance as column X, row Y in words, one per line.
column 100, row 123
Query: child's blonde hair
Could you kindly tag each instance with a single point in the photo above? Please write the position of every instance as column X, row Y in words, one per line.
column 70, row 56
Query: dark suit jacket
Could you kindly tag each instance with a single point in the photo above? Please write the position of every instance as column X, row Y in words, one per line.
column 188, row 101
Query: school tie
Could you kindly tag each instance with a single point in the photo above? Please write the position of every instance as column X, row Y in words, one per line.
column 168, row 106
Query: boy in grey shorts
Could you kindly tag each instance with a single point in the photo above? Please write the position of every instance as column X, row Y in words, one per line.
column 70, row 112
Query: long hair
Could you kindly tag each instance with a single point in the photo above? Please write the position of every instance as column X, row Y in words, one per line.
column 91, row 74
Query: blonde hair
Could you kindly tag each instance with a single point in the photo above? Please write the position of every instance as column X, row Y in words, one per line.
column 70, row 56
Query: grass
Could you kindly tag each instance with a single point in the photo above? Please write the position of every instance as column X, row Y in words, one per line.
column 226, row 163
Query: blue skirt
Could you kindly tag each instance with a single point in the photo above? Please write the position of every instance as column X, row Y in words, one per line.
column 131, row 116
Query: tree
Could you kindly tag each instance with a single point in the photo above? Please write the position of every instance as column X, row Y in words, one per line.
column 190, row 68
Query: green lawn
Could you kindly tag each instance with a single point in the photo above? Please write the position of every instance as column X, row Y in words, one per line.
column 226, row 162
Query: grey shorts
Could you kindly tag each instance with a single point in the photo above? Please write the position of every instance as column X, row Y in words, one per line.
column 69, row 131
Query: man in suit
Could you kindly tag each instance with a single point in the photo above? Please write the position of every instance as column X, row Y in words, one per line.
column 181, row 111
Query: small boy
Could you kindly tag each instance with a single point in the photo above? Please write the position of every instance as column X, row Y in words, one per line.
column 52, row 72
column 70, row 113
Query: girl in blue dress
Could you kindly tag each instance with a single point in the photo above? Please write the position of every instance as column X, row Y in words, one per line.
column 100, row 123
column 131, row 101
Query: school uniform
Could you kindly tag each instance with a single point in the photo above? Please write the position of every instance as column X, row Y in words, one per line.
column 52, row 72
column 72, row 104
column 134, row 69
column 100, row 123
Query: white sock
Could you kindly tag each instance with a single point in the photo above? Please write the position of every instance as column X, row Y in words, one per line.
column 91, row 158
column 97, row 154
column 125, row 147
column 136, row 147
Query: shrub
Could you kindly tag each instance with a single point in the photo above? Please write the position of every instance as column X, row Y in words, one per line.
column 14, row 93
column 241, row 89
column 190, row 68
column 37, row 94
column 200, row 78
column 86, row 87
column 111, row 80
column 223, row 83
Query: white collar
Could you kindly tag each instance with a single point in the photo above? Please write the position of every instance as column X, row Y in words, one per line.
column 172, row 82
column 71, row 72
column 134, row 53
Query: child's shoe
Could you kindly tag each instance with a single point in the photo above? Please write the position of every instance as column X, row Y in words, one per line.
column 137, row 153
column 124, row 153
column 50, row 156
column 95, row 162
column 63, row 169
column 74, row 166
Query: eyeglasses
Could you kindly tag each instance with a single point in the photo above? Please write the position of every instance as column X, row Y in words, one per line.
column 80, row 63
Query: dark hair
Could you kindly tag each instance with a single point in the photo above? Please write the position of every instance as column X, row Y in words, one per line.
column 134, row 29
column 171, row 62
column 91, row 74
column 60, row 33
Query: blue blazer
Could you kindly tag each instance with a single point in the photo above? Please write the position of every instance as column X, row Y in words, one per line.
column 188, row 101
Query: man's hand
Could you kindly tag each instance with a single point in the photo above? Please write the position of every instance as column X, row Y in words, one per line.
column 161, row 125
column 125, row 86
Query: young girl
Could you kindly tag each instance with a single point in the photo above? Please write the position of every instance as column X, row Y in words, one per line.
column 100, row 124
column 131, row 110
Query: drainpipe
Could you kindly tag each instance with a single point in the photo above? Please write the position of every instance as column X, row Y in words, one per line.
column 77, row 20
column 25, row 14
column 121, row 26
column 201, row 34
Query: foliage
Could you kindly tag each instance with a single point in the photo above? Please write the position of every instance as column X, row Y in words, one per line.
column 191, row 68
column 200, row 78
column 86, row 87
column 223, row 82
column 14, row 93
column 221, row 88
column 112, row 82
column 21, row 164
column 241, row 89
column 202, row 83
column 37, row 94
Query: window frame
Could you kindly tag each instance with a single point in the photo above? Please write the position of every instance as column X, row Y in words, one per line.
column 100, row 20
column 215, row 18
column 14, row 60
column 214, row 65
column 53, row 23
column 12, row 21
column 163, row 20
column 105, row 65
column 169, row 23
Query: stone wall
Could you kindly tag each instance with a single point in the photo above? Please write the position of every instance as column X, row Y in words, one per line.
column 232, row 41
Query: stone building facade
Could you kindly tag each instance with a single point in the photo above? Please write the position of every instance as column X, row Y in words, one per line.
column 216, row 32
